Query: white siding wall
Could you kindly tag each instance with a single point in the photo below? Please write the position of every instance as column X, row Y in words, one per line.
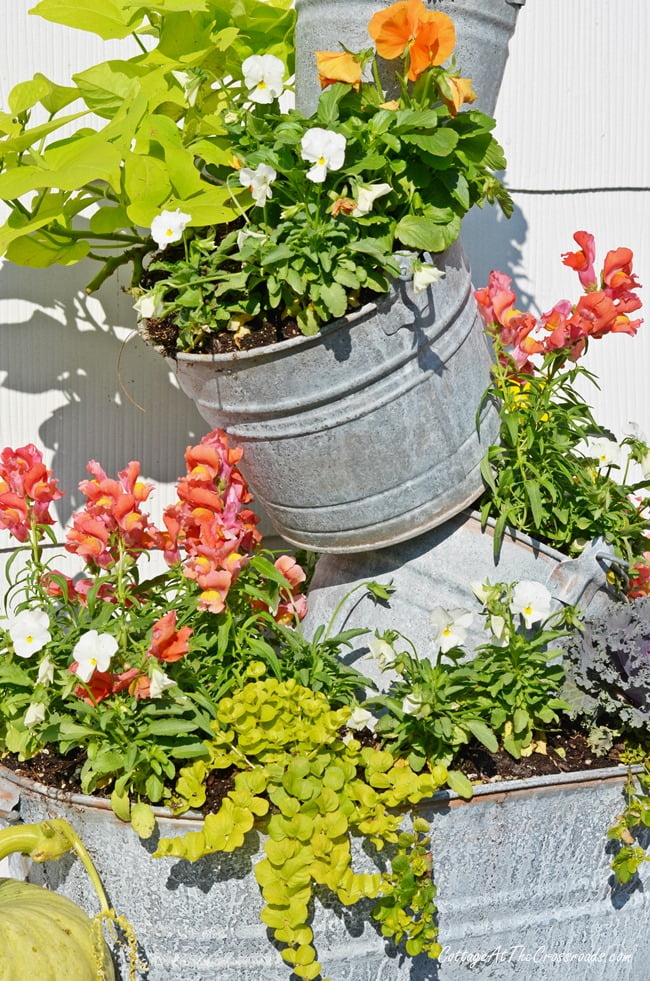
column 573, row 115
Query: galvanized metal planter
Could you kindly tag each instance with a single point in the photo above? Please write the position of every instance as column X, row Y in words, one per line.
column 437, row 569
column 483, row 30
column 363, row 435
column 524, row 891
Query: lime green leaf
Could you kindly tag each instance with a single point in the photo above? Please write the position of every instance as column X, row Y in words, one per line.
column 421, row 233
column 38, row 253
column 26, row 94
column 460, row 784
column 143, row 819
column 121, row 805
column 110, row 19
column 439, row 144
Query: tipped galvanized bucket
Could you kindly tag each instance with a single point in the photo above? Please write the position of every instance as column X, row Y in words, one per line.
column 483, row 30
column 365, row 434
column 437, row 569
column 522, row 871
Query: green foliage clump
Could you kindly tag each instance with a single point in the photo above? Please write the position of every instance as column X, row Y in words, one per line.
column 309, row 788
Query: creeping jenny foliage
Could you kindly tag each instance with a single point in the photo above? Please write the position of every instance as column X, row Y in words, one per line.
column 310, row 791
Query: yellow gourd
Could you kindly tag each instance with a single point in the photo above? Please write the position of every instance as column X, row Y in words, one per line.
column 44, row 936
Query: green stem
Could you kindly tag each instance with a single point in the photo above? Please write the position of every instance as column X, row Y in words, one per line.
column 47, row 842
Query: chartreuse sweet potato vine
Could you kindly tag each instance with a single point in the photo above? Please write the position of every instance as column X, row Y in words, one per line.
column 309, row 790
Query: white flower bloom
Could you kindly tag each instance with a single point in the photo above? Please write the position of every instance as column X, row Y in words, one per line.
column 381, row 652
column 532, row 600
column 367, row 194
column 93, row 652
column 243, row 234
column 34, row 714
column 29, row 631
column 606, row 452
column 45, row 672
column 481, row 591
column 263, row 77
column 413, row 705
column 498, row 628
column 168, row 227
column 325, row 149
column 361, row 719
column 159, row 682
column 287, row 101
column 450, row 627
column 424, row 276
column 258, row 182
column 149, row 306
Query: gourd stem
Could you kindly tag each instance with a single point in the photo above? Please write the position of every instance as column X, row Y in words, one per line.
column 48, row 841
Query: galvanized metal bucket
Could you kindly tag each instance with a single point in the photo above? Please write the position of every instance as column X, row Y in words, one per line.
column 437, row 569
column 365, row 434
column 483, row 30
column 524, row 891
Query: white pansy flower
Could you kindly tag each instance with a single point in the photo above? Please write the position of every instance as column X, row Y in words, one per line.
column 45, row 672
column 149, row 306
column 93, row 652
column 361, row 718
column 34, row 714
column 498, row 628
column 29, row 631
column 414, row 706
column 168, row 227
column 258, row 182
column 424, row 276
column 450, row 627
column 532, row 600
column 159, row 682
column 243, row 234
column 606, row 452
column 367, row 194
column 381, row 652
column 325, row 149
column 263, row 77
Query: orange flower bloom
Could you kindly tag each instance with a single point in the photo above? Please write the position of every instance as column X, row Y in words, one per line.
column 430, row 36
column 338, row 66
column 460, row 92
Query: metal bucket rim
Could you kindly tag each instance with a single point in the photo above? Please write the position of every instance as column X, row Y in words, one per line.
column 484, row 790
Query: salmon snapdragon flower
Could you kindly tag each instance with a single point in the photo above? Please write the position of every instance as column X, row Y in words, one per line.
column 408, row 28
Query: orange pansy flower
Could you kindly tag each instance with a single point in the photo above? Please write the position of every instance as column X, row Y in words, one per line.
column 338, row 66
column 430, row 35
column 460, row 91
column 433, row 43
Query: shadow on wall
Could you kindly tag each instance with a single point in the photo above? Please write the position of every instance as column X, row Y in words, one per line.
column 493, row 241
column 89, row 394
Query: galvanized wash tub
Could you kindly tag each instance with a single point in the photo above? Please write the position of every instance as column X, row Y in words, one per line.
column 483, row 30
column 363, row 435
column 524, row 891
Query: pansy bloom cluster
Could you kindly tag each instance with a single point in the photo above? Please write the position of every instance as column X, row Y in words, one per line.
column 107, row 634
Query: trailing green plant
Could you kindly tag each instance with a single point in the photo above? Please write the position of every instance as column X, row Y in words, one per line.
column 307, row 782
column 634, row 820
column 505, row 695
column 555, row 471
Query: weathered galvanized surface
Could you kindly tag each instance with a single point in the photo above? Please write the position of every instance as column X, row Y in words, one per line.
column 437, row 569
column 365, row 434
column 524, row 891
column 483, row 30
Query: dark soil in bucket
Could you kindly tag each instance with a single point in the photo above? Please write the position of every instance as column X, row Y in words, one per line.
column 566, row 751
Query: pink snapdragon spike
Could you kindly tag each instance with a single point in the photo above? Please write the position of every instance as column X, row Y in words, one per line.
column 583, row 260
column 293, row 603
column 603, row 309
column 111, row 523
column 27, row 489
